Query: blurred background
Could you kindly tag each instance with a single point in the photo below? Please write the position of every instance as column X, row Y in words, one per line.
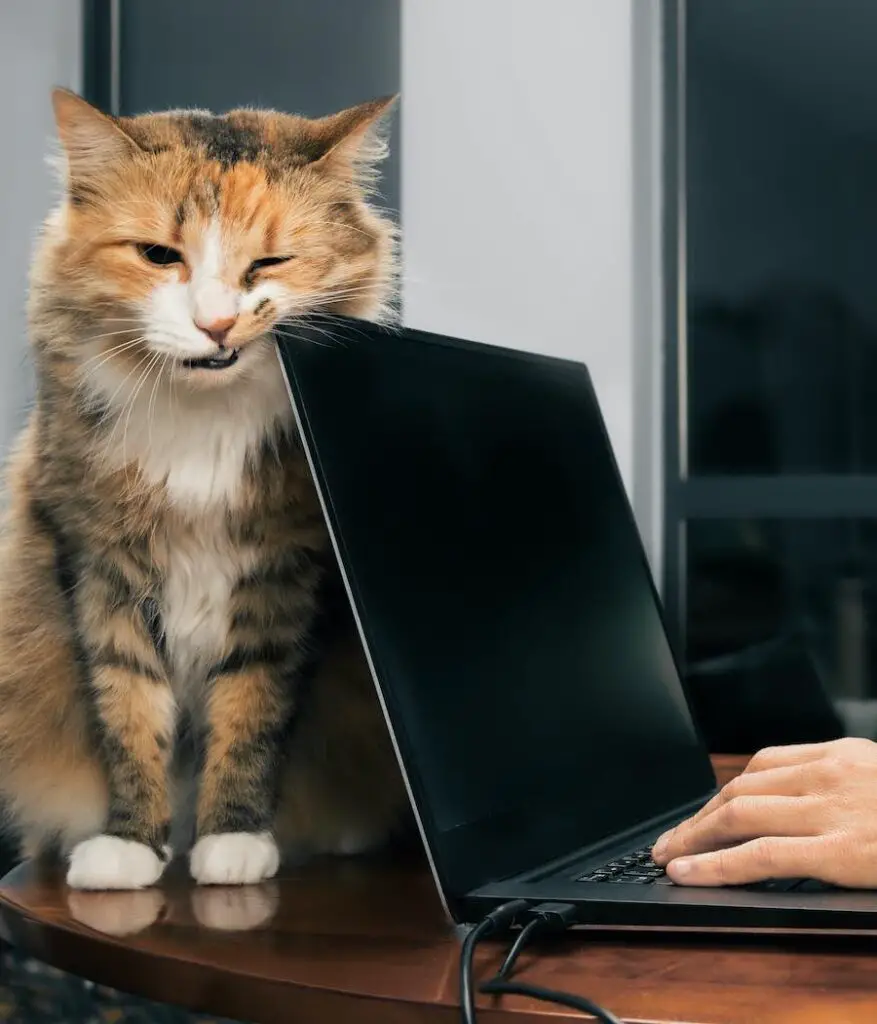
column 772, row 443
column 682, row 193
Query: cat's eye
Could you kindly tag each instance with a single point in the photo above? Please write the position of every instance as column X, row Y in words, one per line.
column 267, row 261
column 160, row 255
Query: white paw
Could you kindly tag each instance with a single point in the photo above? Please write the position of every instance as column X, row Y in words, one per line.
column 107, row 862
column 234, row 858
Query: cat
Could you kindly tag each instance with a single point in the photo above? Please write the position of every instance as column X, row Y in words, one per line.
column 178, row 663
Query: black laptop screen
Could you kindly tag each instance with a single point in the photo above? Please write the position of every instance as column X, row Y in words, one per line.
column 504, row 595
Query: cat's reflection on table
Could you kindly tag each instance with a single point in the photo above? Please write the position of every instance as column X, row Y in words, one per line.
column 219, row 908
column 235, row 908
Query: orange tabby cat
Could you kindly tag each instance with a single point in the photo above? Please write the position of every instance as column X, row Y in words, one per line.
column 168, row 598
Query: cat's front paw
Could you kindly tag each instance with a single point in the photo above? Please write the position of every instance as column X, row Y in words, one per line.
column 108, row 862
column 234, row 858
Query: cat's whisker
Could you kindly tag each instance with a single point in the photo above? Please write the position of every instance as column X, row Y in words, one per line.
column 111, row 401
column 370, row 285
column 150, row 408
column 323, row 331
column 340, row 225
column 113, row 350
column 96, row 321
column 155, row 356
column 353, row 202
column 298, row 337
column 104, row 357
column 55, row 305
column 103, row 337
column 110, row 404
column 339, row 295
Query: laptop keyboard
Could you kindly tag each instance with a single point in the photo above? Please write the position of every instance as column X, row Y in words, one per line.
column 639, row 868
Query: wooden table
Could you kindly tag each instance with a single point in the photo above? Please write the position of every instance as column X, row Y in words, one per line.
column 353, row 942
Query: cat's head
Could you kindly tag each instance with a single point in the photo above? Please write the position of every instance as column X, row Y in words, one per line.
column 183, row 238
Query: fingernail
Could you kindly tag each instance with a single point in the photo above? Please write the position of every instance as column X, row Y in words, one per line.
column 661, row 845
column 680, row 868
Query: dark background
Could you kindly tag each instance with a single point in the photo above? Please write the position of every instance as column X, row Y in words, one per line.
column 772, row 439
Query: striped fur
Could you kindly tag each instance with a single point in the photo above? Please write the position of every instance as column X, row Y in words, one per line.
column 172, row 626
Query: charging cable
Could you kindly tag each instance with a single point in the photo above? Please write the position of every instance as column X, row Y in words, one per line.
column 500, row 918
column 524, row 935
column 544, row 917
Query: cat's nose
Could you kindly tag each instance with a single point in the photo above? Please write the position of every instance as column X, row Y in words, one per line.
column 217, row 330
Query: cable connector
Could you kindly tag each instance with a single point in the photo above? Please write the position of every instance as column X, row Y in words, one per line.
column 508, row 913
column 554, row 915
column 546, row 917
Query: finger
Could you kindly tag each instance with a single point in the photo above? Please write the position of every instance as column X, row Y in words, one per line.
column 765, row 857
column 745, row 818
column 779, row 757
column 791, row 781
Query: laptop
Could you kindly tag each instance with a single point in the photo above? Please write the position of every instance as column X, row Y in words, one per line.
column 515, row 636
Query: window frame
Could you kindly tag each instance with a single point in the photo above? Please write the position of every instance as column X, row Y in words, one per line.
column 101, row 27
column 818, row 496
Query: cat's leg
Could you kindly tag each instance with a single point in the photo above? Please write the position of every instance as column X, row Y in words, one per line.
column 279, row 615
column 134, row 718
column 251, row 698
column 247, row 710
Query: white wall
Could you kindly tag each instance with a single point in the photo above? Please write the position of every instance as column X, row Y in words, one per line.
column 518, row 151
column 40, row 46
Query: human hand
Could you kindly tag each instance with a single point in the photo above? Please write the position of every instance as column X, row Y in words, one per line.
column 806, row 811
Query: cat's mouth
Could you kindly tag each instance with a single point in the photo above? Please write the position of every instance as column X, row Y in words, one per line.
column 221, row 361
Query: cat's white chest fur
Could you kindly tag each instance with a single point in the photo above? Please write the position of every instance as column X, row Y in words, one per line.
column 206, row 467
column 196, row 444
column 203, row 567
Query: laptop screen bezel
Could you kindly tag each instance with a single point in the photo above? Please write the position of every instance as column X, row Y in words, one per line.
column 509, row 845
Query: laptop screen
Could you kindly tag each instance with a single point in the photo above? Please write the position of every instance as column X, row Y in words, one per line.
column 503, row 592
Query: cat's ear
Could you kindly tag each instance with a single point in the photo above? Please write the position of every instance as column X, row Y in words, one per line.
column 90, row 139
column 353, row 143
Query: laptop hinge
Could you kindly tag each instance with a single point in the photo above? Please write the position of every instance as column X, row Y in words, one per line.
column 626, row 838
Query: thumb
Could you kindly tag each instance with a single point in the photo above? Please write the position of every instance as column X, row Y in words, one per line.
column 766, row 857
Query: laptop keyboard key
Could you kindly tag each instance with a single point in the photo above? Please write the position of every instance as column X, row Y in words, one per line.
column 637, row 868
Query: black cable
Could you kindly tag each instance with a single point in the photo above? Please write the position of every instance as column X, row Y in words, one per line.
column 547, row 995
column 508, row 965
column 467, row 997
column 502, row 917
column 545, row 917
